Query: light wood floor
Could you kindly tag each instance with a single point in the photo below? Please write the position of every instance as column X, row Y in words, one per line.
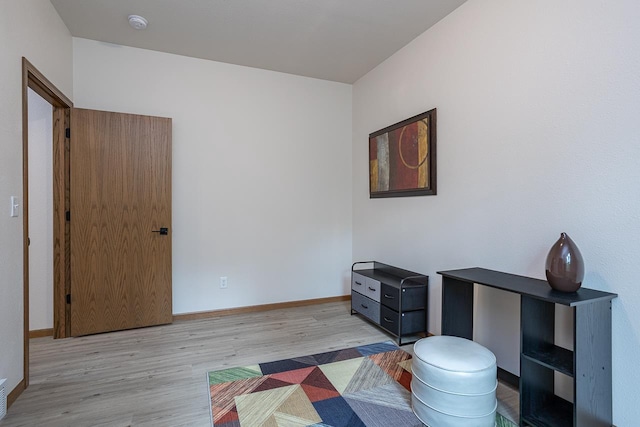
column 157, row 376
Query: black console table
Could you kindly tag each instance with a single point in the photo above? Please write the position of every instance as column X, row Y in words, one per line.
column 391, row 297
column 589, row 364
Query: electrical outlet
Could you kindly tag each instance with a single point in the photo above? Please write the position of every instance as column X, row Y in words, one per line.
column 223, row 282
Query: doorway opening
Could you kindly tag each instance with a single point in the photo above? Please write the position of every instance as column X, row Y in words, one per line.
column 40, row 216
column 61, row 105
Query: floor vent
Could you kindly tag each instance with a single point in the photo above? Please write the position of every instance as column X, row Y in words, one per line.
column 3, row 400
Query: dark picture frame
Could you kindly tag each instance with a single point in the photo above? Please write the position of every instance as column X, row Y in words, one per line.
column 402, row 158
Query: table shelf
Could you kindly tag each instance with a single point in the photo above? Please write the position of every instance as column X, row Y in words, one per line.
column 556, row 358
column 556, row 413
column 588, row 365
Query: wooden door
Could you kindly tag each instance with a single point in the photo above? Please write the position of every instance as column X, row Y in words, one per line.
column 120, row 198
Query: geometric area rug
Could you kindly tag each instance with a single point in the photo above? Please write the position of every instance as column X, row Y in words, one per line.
column 368, row 386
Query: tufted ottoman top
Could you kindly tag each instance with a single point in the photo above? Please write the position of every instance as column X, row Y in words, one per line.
column 454, row 354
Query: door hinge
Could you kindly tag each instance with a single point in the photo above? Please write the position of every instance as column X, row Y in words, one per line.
column 67, row 133
column 67, row 215
column 68, row 298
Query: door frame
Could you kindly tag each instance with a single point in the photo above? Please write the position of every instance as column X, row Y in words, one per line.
column 34, row 79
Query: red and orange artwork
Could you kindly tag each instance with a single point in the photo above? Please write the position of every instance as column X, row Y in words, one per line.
column 400, row 158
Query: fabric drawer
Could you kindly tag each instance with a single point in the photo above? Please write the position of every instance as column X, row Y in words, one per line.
column 372, row 289
column 412, row 321
column 413, row 298
column 358, row 283
column 365, row 306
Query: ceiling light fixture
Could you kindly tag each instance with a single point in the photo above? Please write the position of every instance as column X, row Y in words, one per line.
column 137, row 22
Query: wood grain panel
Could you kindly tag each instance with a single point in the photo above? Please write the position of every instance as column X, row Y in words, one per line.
column 67, row 228
column 457, row 308
column 15, row 393
column 26, row 69
column 593, row 357
column 59, row 223
column 120, row 192
column 39, row 333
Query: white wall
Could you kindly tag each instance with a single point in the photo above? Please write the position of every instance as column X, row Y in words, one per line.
column 261, row 171
column 40, row 212
column 538, row 106
column 29, row 28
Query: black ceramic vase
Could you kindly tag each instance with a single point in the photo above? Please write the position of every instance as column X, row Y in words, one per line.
column 564, row 267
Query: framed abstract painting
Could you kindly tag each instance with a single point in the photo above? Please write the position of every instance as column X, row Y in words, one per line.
column 402, row 158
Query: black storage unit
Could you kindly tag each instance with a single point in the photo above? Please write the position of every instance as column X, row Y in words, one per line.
column 588, row 365
column 391, row 297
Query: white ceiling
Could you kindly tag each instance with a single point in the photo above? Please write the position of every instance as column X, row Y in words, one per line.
column 338, row 40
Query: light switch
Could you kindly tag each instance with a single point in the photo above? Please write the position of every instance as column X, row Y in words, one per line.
column 15, row 206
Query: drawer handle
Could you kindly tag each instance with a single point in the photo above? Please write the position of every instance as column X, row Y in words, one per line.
column 388, row 296
column 364, row 306
column 372, row 289
column 358, row 283
column 386, row 319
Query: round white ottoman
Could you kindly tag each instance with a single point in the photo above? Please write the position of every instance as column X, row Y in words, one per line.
column 454, row 383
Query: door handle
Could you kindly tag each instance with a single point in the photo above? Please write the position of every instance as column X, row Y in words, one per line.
column 163, row 231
